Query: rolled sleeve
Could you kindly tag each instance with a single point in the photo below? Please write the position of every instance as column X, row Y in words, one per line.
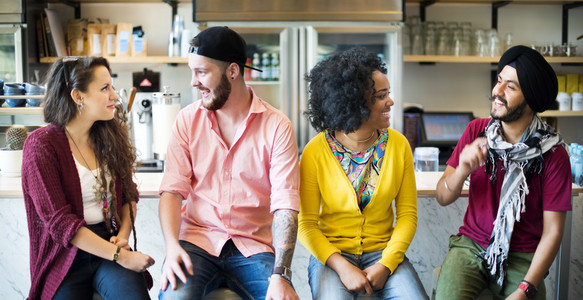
column 178, row 174
column 284, row 172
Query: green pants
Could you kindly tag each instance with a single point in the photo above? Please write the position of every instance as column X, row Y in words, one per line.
column 464, row 274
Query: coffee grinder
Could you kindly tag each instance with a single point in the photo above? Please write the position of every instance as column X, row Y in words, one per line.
column 146, row 83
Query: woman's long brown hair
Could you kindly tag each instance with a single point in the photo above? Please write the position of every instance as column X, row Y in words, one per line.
column 110, row 139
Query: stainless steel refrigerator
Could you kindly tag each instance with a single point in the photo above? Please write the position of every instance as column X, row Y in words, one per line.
column 303, row 32
column 12, row 41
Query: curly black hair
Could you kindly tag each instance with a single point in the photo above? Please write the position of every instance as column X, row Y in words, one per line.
column 338, row 88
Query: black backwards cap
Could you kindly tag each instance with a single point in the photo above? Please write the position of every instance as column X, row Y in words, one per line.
column 536, row 77
column 222, row 43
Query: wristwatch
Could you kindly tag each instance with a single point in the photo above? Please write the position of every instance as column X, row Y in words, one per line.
column 116, row 255
column 528, row 288
column 284, row 272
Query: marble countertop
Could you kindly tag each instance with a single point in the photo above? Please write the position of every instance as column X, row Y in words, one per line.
column 148, row 184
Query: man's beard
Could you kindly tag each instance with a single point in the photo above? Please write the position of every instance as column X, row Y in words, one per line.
column 220, row 94
column 512, row 114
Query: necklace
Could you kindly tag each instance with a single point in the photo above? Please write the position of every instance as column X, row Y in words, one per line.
column 80, row 153
column 100, row 191
column 357, row 141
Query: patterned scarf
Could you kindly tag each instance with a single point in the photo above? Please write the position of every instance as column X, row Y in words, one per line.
column 520, row 161
column 361, row 168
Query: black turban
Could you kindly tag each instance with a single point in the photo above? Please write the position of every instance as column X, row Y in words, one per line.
column 536, row 77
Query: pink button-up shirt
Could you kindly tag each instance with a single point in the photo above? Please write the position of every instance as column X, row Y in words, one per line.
column 231, row 193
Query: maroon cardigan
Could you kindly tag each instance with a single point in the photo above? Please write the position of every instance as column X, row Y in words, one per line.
column 54, row 207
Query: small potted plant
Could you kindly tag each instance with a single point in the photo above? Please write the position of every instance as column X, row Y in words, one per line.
column 11, row 155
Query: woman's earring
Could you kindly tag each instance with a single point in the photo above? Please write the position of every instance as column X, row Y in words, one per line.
column 80, row 106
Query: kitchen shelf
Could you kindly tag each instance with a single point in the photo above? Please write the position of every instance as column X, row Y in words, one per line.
column 21, row 110
column 134, row 60
column 406, row 58
column 480, row 59
column 561, row 113
column 22, row 97
column 492, row 1
column 253, row 82
column 119, row 1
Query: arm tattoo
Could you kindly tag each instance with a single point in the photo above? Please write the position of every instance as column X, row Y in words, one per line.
column 285, row 231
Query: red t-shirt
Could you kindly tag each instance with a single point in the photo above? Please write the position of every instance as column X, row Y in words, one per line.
column 550, row 190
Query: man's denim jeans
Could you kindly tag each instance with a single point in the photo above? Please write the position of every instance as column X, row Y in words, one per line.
column 246, row 276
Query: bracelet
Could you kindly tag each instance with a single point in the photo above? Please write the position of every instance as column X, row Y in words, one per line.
column 446, row 186
column 282, row 278
column 116, row 254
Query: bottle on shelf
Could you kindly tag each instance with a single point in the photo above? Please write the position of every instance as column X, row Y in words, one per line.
column 572, row 148
column 266, row 67
column 578, row 166
column 274, row 67
column 175, row 36
column 256, row 75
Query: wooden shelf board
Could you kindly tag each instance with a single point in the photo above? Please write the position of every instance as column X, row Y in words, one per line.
column 479, row 59
column 559, row 113
column 21, row 110
column 134, row 60
column 554, row 2
column 406, row 58
column 450, row 59
column 119, row 1
column 22, row 97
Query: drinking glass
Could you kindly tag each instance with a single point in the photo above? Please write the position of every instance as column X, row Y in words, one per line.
column 430, row 41
column 480, row 43
column 494, row 43
column 443, row 43
column 457, row 47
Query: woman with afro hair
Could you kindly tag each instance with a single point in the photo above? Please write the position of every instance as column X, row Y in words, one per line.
column 351, row 174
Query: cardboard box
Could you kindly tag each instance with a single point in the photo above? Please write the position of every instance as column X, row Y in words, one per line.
column 108, row 37
column 123, row 41
column 562, row 80
column 572, row 83
column 139, row 46
column 76, row 36
column 94, row 39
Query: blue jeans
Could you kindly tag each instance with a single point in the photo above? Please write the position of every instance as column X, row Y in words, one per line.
column 89, row 274
column 246, row 276
column 404, row 283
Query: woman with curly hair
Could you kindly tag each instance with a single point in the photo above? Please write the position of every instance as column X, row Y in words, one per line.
column 351, row 174
column 78, row 190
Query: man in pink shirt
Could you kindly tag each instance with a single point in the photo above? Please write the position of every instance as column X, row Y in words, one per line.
column 234, row 159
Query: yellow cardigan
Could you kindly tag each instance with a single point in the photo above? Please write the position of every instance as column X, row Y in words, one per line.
column 330, row 220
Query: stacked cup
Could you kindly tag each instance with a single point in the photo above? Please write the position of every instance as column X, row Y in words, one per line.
column 34, row 89
column 577, row 101
column 564, row 100
column 13, row 89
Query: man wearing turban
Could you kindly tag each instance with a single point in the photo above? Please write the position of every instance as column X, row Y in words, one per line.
column 520, row 188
